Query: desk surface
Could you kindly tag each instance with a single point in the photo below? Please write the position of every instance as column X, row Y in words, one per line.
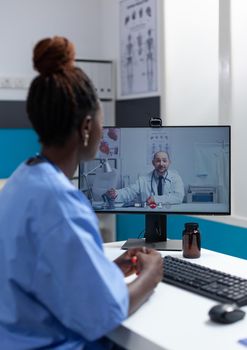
column 180, row 208
column 175, row 319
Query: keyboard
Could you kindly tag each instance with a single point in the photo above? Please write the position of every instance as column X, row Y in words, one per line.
column 204, row 281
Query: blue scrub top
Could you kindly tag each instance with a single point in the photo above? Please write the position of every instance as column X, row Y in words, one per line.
column 57, row 288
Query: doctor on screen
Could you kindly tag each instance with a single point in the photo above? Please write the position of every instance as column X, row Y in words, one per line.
column 161, row 185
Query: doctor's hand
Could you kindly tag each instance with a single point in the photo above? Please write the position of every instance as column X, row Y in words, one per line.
column 150, row 200
column 111, row 193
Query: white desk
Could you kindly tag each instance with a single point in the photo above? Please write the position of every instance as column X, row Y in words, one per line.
column 179, row 208
column 175, row 319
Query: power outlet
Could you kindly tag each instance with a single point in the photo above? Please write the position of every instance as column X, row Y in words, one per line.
column 19, row 83
column 6, row 83
column 14, row 83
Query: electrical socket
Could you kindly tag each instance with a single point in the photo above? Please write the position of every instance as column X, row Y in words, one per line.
column 19, row 83
column 6, row 83
column 14, row 83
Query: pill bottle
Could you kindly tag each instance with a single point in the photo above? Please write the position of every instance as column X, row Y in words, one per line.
column 191, row 240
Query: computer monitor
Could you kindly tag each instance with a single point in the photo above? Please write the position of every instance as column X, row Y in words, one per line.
column 159, row 171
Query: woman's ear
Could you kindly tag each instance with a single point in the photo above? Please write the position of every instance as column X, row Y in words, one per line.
column 85, row 130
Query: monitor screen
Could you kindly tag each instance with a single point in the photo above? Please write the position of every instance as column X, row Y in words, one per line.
column 164, row 170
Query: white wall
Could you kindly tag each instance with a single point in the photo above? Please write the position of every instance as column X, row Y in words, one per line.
column 109, row 42
column 239, row 106
column 191, row 62
column 85, row 22
column 23, row 23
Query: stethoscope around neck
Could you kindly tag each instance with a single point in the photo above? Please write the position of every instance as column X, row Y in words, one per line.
column 152, row 179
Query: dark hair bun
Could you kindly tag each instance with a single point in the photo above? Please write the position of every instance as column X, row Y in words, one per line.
column 53, row 55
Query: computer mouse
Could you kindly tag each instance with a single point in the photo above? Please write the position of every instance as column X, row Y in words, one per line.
column 226, row 313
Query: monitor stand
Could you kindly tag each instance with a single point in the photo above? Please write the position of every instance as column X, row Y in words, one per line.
column 155, row 236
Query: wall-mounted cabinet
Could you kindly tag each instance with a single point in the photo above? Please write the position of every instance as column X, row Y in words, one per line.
column 101, row 72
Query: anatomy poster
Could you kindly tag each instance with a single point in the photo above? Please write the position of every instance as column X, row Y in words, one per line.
column 138, row 47
column 158, row 141
column 110, row 143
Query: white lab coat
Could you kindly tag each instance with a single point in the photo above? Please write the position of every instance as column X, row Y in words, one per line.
column 146, row 186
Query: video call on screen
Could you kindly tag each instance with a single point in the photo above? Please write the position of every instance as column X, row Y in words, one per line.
column 199, row 162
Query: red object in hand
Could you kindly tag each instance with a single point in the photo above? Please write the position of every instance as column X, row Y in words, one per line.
column 153, row 205
column 134, row 260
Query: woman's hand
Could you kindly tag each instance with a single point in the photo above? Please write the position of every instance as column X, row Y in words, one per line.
column 149, row 268
column 151, row 202
column 127, row 262
column 111, row 193
column 150, row 263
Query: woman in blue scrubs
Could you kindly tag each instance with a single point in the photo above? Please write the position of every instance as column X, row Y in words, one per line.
column 58, row 289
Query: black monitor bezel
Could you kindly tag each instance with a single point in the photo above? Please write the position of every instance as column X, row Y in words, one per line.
column 163, row 212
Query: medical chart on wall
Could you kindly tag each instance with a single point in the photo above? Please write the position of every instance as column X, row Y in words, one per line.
column 158, row 140
column 138, row 47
